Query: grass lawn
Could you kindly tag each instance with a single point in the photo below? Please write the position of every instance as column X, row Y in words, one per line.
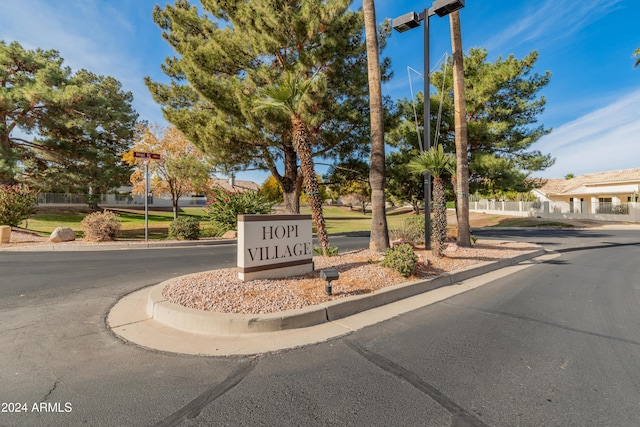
column 132, row 221
column 344, row 220
column 338, row 219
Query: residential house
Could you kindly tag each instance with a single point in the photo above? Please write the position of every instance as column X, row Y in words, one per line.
column 604, row 196
column 235, row 185
column 593, row 193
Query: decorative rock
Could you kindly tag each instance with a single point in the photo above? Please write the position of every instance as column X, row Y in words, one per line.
column 5, row 234
column 452, row 247
column 231, row 234
column 62, row 234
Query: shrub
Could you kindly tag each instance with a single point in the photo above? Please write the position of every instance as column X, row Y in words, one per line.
column 185, row 228
column 224, row 207
column 331, row 251
column 402, row 259
column 412, row 229
column 100, row 226
column 16, row 204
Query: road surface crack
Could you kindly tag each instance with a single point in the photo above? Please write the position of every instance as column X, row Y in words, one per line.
column 543, row 322
column 459, row 416
column 55, row 385
column 193, row 408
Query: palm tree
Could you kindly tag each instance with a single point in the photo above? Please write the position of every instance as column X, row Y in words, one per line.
column 379, row 239
column 636, row 53
column 436, row 162
column 460, row 119
column 288, row 98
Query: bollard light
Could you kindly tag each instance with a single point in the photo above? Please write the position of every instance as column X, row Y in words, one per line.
column 329, row 274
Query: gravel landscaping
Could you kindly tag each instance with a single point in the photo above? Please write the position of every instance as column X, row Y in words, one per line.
column 360, row 273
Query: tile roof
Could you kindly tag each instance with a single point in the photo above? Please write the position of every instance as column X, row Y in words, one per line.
column 239, row 185
column 559, row 186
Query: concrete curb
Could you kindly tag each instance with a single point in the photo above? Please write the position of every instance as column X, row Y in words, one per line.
column 211, row 323
column 115, row 246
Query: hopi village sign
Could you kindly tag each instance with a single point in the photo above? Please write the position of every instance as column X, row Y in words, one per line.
column 273, row 246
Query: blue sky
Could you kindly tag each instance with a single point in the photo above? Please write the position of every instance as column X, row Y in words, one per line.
column 593, row 100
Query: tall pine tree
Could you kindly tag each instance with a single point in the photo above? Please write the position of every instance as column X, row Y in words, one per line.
column 227, row 55
column 502, row 109
column 61, row 131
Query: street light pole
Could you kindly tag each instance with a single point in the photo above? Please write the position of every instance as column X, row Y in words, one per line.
column 146, row 199
column 404, row 23
column 427, row 131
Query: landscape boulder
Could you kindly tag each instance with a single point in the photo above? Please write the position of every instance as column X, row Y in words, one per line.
column 62, row 234
column 231, row 234
column 5, row 234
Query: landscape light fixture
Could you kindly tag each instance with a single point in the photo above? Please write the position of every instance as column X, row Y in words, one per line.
column 404, row 23
column 329, row 274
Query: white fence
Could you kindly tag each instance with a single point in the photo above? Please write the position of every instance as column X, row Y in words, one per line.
column 120, row 200
column 625, row 212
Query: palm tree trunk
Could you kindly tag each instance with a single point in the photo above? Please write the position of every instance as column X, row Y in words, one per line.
column 439, row 226
column 303, row 148
column 379, row 240
column 290, row 182
column 460, row 118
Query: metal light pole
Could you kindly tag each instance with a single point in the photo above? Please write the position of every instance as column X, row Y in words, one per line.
column 404, row 23
column 146, row 199
column 147, row 159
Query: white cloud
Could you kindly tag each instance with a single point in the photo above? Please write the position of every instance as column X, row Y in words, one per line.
column 605, row 139
column 550, row 21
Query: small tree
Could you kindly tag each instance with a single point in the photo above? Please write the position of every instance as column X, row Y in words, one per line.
column 358, row 193
column 402, row 185
column 271, row 190
column 350, row 179
column 288, row 97
column 16, row 204
column 179, row 171
column 437, row 163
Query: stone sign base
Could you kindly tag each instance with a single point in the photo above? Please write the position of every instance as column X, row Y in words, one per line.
column 274, row 246
column 276, row 272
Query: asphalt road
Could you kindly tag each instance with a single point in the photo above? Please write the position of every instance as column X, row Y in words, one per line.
column 556, row 344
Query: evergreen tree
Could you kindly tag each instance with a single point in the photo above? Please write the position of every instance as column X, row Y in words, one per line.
column 502, row 106
column 228, row 54
column 76, row 124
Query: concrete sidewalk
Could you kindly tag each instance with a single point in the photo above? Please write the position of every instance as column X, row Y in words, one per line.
column 145, row 318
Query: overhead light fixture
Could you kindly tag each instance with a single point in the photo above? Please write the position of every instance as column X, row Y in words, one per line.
column 445, row 7
column 406, row 22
